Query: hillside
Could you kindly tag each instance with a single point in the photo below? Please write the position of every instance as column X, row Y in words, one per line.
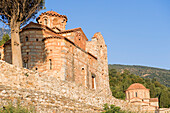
column 119, row 82
column 161, row 75
column 4, row 31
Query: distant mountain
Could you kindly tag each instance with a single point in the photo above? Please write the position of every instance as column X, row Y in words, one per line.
column 162, row 75
column 4, row 31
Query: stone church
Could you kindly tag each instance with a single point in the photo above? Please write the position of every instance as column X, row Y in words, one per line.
column 66, row 54
column 137, row 94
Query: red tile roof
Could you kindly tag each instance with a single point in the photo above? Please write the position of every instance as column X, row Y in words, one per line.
column 53, row 13
column 153, row 100
column 73, row 30
column 136, row 86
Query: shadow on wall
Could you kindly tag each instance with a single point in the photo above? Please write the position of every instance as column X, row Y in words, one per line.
column 33, row 50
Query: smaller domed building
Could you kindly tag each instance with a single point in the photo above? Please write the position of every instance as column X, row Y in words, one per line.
column 137, row 94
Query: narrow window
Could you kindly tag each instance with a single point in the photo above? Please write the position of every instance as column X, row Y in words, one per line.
column 26, row 38
column 45, row 21
column 93, row 82
column 128, row 95
column 136, row 94
column 50, row 63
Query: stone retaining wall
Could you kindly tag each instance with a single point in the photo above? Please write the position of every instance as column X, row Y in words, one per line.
column 50, row 95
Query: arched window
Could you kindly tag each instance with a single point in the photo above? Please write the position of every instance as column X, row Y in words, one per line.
column 136, row 94
column 45, row 21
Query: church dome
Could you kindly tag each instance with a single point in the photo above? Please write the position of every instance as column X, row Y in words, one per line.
column 136, row 86
column 53, row 20
column 52, row 13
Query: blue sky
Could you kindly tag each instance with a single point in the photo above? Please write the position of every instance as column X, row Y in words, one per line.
column 137, row 32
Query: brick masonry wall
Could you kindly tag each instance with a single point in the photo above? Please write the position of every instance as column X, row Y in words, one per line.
column 32, row 48
column 52, row 95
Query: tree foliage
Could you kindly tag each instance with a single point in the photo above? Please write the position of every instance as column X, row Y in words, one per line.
column 119, row 82
column 161, row 75
column 4, row 39
column 16, row 13
column 21, row 11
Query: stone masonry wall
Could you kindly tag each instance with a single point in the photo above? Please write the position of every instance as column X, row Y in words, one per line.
column 50, row 95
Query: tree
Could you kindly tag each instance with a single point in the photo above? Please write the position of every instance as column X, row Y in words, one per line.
column 120, row 82
column 164, row 99
column 4, row 39
column 16, row 13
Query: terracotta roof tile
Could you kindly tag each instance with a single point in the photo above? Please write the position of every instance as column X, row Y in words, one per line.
column 136, row 86
column 73, row 30
column 53, row 13
column 153, row 100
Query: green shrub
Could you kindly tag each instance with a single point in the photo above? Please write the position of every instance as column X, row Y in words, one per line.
column 10, row 108
column 113, row 109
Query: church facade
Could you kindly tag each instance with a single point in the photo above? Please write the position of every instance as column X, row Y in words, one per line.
column 66, row 54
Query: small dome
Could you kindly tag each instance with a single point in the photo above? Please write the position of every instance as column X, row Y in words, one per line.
column 136, row 86
column 51, row 13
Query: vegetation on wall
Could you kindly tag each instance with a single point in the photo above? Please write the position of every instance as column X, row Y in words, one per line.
column 161, row 75
column 10, row 108
column 113, row 109
column 119, row 82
